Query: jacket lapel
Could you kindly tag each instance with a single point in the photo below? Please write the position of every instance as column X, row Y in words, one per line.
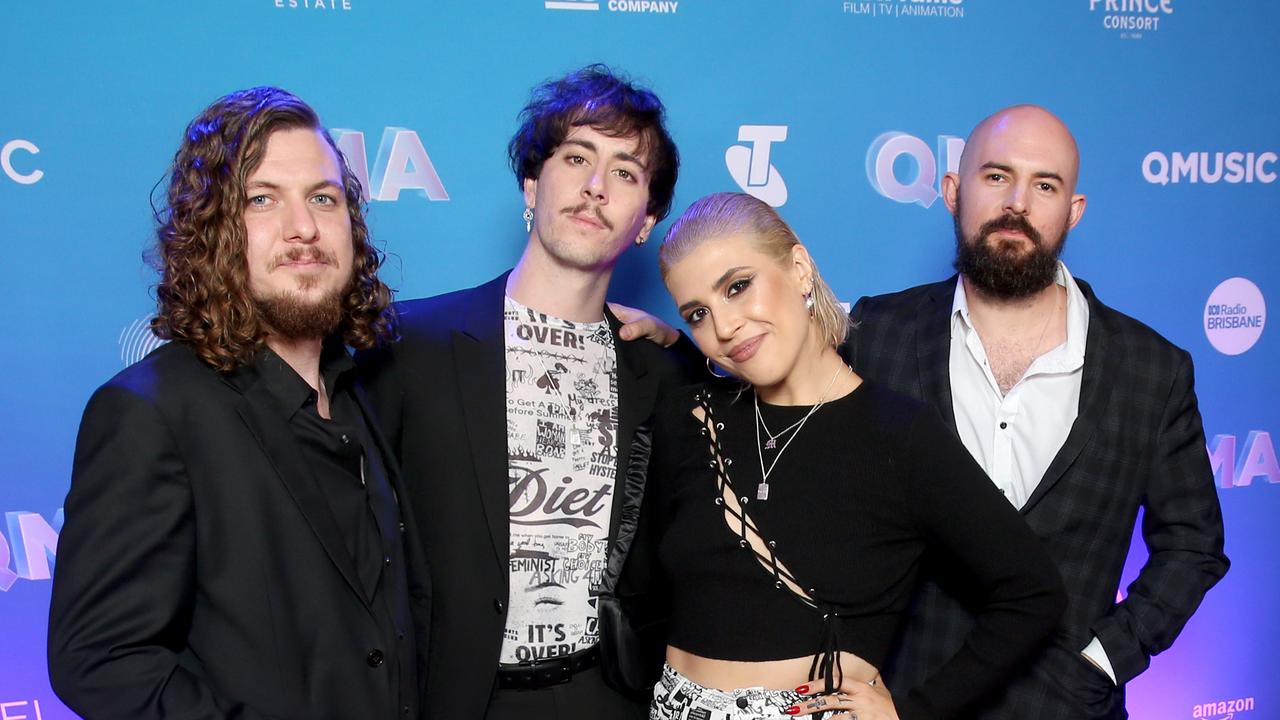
column 380, row 441
column 1098, row 364
column 637, row 388
column 479, row 353
column 257, row 407
column 933, row 348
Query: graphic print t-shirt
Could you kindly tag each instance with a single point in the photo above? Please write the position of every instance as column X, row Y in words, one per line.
column 562, row 418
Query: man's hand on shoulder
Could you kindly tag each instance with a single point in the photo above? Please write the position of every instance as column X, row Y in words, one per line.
column 640, row 325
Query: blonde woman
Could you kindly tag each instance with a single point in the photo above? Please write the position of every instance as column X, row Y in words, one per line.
column 791, row 502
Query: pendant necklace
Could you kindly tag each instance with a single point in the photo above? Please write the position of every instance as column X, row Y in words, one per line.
column 772, row 442
column 762, row 490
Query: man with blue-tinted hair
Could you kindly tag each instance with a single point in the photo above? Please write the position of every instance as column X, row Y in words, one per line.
column 513, row 406
column 1081, row 415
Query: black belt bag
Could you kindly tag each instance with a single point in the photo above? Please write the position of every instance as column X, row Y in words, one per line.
column 545, row 673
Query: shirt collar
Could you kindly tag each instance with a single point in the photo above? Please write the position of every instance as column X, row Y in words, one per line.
column 292, row 392
column 1066, row 357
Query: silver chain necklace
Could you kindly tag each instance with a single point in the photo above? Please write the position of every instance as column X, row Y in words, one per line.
column 772, row 442
column 762, row 490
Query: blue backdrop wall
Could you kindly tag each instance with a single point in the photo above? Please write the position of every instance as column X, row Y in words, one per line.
column 844, row 114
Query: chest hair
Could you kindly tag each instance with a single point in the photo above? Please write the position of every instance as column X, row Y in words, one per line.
column 1009, row 357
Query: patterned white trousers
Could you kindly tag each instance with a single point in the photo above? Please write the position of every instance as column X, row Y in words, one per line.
column 676, row 697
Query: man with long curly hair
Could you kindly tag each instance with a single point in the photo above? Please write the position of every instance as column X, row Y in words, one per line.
column 513, row 406
column 233, row 544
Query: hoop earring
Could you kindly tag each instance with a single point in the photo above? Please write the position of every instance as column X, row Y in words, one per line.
column 711, row 368
column 528, row 219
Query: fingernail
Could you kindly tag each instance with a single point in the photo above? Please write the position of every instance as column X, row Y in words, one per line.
column 793, row 710
column 803, row 690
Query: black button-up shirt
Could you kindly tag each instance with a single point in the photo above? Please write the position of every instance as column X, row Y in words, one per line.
column 349, row 471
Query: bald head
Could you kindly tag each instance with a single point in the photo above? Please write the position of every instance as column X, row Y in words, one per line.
column 1030, row 131
column 1017, row 179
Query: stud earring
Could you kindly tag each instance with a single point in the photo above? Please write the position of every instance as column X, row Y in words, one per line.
column 528, row 219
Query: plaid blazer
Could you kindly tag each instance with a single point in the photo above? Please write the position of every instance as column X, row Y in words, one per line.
column 1137, row 444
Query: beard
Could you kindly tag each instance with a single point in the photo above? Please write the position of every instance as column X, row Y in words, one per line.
column 999, row 268
column 293, row 317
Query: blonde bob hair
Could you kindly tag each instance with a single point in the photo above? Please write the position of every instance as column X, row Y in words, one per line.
column 723, row 214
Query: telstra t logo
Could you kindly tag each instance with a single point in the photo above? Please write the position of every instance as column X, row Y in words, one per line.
column 750, row 167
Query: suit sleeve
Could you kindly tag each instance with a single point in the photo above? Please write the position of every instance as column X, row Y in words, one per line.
column 1019, row 594
column 685, row 364
column 1182, row 528
column 849, row 350
column 124, row 587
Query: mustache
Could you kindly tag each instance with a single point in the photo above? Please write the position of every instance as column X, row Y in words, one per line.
column 594, row 209
column 309, row 254
column 1016, row 223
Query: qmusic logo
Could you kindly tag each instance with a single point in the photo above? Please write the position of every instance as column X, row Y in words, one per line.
column 916, row 179
column 32, row 546
column 1159, row 168
column 402, row 163
column 15, row 174
column 749, row 166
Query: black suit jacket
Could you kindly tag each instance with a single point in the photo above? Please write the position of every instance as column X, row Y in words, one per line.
column 441, row 395
column 1137, row 444
column 200, row 571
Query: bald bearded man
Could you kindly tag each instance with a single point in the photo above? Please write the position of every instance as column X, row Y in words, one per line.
column 1080, row 414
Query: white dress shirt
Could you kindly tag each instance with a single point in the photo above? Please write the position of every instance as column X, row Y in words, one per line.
column 1015, row 436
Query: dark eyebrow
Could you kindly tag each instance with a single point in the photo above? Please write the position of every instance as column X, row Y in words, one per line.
column 719, row 283
column 276, row 186
column 1041, row 174
column 625, row 156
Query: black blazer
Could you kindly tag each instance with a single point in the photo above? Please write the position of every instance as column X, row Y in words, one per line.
column 441, row 395
column 1137, row 444
column 200, row 572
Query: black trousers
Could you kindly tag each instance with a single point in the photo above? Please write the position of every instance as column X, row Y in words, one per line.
column 585, row 697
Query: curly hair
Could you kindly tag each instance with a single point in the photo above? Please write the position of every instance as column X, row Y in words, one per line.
column 596, row 97
column 203, row 296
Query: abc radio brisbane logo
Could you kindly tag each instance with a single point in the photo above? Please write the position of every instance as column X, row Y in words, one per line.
column 1234, row 316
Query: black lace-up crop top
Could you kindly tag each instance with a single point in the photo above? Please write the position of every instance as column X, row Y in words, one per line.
column 870, row 482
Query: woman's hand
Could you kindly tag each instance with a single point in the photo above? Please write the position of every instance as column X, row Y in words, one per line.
column 853, row 700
